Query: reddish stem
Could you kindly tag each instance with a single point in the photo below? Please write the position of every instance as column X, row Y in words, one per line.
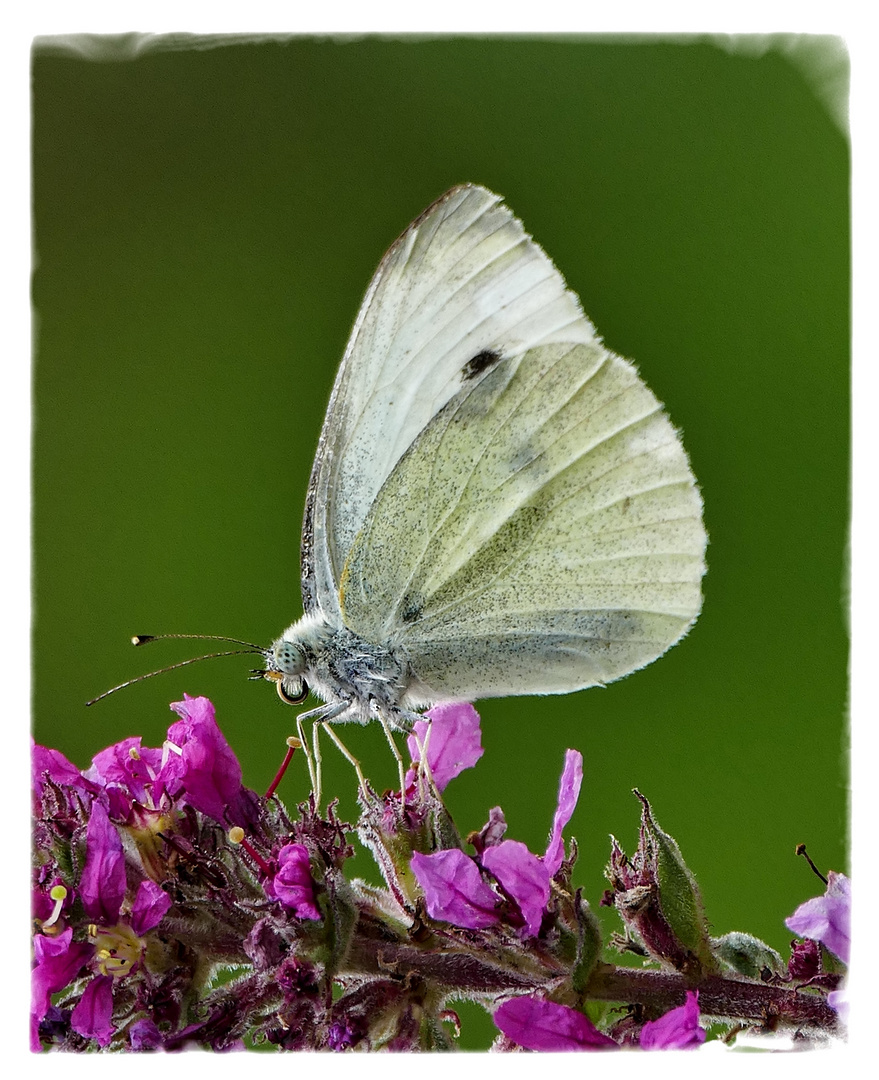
column 288, row 757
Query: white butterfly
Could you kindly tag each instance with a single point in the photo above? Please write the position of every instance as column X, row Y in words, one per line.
column 499, row 505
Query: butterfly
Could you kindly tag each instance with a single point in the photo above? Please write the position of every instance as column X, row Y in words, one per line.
column 498, row 505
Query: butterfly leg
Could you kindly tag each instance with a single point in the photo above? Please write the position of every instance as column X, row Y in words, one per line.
column 312, row 759
column 404, row 720
column 386, row 729
column 388, row 723
column 344, row 751
column 423, row 763
column 308, row 758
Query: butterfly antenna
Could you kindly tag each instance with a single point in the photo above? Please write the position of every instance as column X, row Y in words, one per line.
column 142, row 639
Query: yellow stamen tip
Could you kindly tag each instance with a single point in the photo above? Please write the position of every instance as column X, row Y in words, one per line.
column 236, row 834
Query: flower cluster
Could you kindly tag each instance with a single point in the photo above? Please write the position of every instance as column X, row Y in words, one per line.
column 173, row 907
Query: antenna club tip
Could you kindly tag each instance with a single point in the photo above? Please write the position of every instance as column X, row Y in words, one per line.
column 142, row 639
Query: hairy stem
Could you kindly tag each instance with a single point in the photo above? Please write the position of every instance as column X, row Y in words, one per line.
column 719, row 997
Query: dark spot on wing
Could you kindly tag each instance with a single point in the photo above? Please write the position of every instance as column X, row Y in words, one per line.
column 482, row 361
column 411, row 608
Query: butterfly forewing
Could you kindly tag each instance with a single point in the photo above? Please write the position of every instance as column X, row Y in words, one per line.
column 462, row 280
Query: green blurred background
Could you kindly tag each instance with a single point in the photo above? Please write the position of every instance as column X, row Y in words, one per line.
column 207, row 217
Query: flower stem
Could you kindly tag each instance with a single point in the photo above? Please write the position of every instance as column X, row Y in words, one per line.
column 720, row 997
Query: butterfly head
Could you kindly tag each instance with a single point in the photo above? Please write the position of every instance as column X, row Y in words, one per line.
column 285, row 666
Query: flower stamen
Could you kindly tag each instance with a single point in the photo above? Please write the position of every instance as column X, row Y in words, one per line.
column 293, row 744
column 117, row 949
column 169, row 748
column 58, row 893
column 237, row 837
column 801, row 850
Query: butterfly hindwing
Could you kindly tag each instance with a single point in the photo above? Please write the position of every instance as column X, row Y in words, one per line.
column 542, row 534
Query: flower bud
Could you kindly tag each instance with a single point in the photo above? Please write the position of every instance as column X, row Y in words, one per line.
column 747, row 955
column 657, row 897
column 588, row 944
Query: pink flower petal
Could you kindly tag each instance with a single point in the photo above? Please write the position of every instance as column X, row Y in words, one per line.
column 544, row 1025
column 150, row 905
column 59, row 960
column 569, row 793
column 454, row 890
column 129, row 765
column 92, row 1015
column 524, row 877
column 678, row 1029
column 827, row 918
column 102, row 886
column 59, row 768
column 293, row 884
column 455, row 741
column 207, row 768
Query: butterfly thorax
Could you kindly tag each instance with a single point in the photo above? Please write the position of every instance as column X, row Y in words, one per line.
column 339, row 666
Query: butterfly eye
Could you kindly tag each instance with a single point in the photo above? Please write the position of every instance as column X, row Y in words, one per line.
column 292, row 699
column 288, row 657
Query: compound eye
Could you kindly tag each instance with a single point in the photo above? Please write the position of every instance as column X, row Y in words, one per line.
column 288, row 657
column 292, row 699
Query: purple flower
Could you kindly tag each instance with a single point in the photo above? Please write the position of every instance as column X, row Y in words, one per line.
column 114, row 947
column 129, row 767
column 544, row 1025
column 93, row 1013
column 102, row 886
column 59, row 960
column 827, row 918
column 454, row 744
column 678, row 1029
column 523, row 876
column 293, row 884
column 345, row 1033
column 451, row 881
column 149, row 907
column 144, row 1035
column 197, row 765
column 454, row 890
column 451, row 736
column 202, row 763
column 59, row 768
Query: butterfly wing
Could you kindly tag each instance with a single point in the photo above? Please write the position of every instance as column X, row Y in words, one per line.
column 495, row 492
column 543, row 534
column 462, row 279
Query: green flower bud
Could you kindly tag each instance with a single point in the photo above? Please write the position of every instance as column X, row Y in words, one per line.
column 746, row 954
column 680, row 900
